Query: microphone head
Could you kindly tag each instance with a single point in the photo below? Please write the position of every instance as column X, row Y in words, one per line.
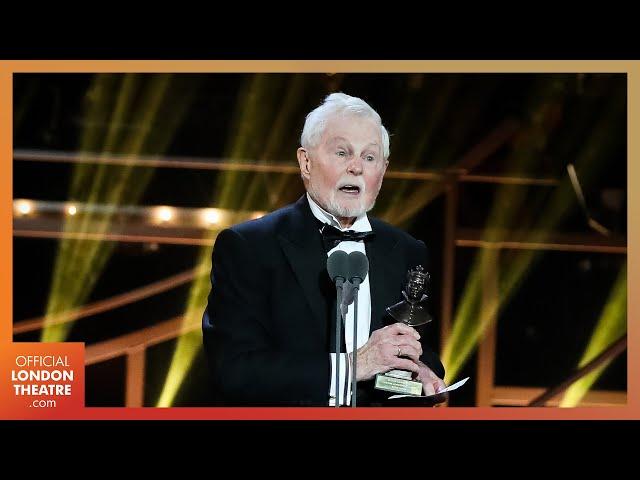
column 338, row 265
column 358, row 266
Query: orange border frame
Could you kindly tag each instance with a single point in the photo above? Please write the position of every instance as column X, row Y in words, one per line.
column 632, row 68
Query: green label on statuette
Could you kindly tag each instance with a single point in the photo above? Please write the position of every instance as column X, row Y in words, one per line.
column 397, row 385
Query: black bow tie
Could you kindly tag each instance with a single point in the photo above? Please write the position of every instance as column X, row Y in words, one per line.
column 332, row 236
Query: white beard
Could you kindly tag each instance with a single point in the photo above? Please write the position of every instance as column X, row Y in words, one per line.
column 333, row 206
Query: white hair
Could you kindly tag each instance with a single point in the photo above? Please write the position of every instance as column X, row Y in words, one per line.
column 335, row 104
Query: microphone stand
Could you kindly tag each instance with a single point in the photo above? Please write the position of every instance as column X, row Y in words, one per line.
column 339, row 283
column 354, row 353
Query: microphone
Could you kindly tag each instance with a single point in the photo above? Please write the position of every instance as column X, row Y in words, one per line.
column 338, row 269
column 358, row 269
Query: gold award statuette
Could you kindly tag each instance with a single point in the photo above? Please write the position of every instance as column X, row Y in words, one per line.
column 410, row 312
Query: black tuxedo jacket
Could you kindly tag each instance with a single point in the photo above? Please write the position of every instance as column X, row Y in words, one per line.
column 269, row 324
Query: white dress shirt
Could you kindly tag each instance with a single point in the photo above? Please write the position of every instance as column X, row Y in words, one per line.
column 364, row 303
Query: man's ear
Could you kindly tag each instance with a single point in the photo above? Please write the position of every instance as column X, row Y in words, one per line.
column 303, row 161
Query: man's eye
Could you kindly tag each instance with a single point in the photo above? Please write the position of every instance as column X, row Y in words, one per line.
column 370, row 158
column 341, row 153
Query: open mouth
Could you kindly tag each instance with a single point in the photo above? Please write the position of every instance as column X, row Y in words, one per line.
column 350, row 189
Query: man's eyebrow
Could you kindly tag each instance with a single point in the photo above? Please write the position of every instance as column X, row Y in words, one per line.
column 338, row 138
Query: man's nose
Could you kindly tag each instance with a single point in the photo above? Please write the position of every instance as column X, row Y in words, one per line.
column 355, row 166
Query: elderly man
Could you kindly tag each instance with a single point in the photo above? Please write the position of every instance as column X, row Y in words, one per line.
column 269, row 324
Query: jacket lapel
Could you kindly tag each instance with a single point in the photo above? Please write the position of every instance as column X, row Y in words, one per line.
column 384, row 279
column 301, row 243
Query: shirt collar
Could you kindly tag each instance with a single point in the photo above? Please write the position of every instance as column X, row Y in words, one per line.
column 360, row 225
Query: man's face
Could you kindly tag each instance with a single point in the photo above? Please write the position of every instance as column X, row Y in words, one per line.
column 344, row 171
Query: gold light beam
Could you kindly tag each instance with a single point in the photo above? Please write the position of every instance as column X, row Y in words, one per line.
column 611, row 325
column 470, row 323
column 79, row 263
